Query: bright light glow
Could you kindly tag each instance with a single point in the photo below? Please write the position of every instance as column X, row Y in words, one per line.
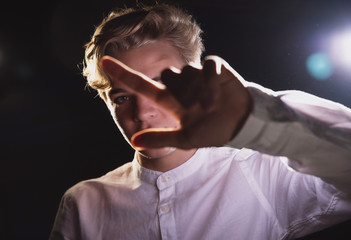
column 341, row 49
column 319, row 66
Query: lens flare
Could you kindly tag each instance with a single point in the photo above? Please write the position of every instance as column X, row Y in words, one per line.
column 319, row 66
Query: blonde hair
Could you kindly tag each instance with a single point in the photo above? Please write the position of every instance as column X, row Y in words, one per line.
column 134, row 27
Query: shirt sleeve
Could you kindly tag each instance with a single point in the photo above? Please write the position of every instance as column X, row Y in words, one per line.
column 302, row 204
column 314, row 133
column 66, row 225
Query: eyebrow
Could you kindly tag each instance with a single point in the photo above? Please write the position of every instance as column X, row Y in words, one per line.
column 116, row 91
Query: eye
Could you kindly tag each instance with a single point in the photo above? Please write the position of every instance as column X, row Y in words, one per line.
column 121, row 99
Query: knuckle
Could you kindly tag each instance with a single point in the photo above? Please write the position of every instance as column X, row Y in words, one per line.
column 168, row 73
column 210, row 61
column 211, row 66
column 188, row 69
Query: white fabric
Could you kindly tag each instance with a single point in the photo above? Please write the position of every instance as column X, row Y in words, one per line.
column 227, row 193
column 314, row 133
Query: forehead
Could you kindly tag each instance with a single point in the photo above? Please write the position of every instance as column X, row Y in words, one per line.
column 152, row 58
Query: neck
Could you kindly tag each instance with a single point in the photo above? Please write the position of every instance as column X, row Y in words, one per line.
column 167, row 162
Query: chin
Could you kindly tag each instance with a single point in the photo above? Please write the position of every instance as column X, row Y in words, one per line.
column 156, row 153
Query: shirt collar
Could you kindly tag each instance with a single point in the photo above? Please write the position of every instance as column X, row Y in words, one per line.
column 178, row 173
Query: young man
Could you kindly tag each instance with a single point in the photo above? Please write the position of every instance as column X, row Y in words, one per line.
column 216, row 157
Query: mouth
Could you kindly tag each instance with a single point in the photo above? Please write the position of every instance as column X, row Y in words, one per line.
column 145, row 127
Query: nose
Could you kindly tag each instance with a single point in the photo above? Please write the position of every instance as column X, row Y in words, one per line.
column 145, row 109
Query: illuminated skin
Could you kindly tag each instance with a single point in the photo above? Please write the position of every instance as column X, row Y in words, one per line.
column 134, row 112
column 198, row 108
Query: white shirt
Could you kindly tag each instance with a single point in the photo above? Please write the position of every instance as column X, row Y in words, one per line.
column 226, row 192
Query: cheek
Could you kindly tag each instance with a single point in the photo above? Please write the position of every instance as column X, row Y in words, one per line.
column 171, row 121
column 120, row 113
column 123, row 120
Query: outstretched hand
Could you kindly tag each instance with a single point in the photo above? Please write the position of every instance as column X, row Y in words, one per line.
column 210, row 103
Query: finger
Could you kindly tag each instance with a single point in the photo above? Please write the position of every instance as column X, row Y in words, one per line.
column 140, row 83
column 156, row 138
column 213, row 65
column 133, row 79
column 227, row 71
column 211, row 71
column 172, row 80
column 194, row 85
column 184, row 86
column 223, row 69
column 210, row 68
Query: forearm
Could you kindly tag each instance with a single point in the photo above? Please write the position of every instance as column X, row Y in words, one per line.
column 313, row 133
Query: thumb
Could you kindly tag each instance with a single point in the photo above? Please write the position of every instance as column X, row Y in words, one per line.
column 156, row 138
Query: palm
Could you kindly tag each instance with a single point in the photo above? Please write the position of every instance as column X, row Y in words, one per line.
column 211, row 104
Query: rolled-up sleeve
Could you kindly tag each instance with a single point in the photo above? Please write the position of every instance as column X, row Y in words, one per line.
column 314, row 133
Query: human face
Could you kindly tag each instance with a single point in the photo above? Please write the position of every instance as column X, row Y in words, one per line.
column 133, row 112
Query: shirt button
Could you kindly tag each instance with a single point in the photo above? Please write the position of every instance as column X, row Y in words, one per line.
column 165, row 208
column 164, row 179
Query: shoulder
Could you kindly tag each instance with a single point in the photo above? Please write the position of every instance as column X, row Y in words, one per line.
column 264, row 168
column 243, row 156
column 246, row 161
column 88, row 188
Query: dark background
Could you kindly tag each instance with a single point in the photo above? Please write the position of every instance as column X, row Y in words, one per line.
column 54, row 132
